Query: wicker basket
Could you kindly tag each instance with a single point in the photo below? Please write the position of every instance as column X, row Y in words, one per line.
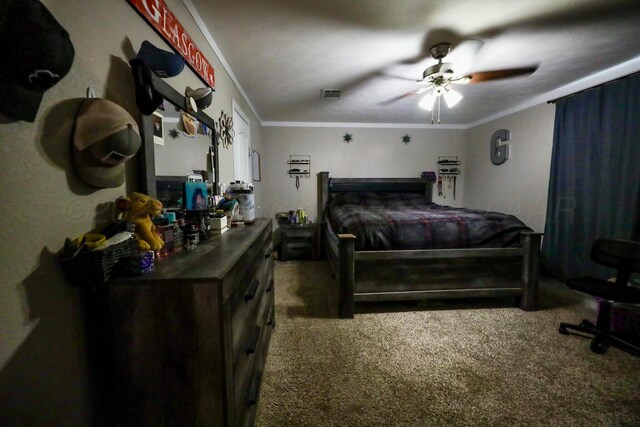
column 92, row 268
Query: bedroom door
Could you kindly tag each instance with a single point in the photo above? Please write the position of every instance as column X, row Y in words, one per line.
column 241, row 145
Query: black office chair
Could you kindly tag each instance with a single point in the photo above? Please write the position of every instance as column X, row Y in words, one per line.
column 623, row 255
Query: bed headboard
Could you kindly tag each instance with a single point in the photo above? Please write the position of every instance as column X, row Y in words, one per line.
column 388, row 185
column 328, row 186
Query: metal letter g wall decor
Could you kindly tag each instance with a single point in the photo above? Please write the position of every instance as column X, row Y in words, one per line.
column 499, row 153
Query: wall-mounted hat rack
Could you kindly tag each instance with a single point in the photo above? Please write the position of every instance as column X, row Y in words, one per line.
column 448, row 168
column 299, row 167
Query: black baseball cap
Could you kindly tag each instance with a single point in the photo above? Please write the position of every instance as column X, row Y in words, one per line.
column 36, row 54
column 163, row 63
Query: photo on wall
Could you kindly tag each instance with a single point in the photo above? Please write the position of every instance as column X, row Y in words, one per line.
column 158, row 128
column 255, row 165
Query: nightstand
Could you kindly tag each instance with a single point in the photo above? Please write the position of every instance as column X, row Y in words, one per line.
column 298, row 241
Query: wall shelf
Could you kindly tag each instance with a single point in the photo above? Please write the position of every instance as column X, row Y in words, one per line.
column 448, row 160
column 304, row 163
column 448, row 169
column 449, row 165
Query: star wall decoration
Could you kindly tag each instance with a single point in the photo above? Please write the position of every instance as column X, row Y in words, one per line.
column 347, row 137
column 406, row 139
column 174, row 133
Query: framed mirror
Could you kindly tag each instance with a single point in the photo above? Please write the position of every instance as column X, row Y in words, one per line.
column 155, row 162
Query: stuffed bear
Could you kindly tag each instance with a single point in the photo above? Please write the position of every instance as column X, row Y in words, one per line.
column 138, row 210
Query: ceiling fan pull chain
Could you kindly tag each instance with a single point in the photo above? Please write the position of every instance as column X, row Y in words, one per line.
column 439, row 109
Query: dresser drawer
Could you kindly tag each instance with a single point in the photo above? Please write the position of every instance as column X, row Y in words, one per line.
column 247, row 408
column 252, row 358
column 245, row 301
column 297, row 236
column 250, row 318
column 297, row 251
column 252, row 342
column 247, row 394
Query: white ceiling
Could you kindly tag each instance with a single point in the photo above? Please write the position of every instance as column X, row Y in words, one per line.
column 283, row 52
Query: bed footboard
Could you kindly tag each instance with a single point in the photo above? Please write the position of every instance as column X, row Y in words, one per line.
column 435, row 274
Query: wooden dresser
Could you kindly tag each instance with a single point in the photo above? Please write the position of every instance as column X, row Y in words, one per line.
column 190, row 339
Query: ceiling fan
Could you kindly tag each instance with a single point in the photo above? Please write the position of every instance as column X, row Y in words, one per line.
column 438, row 81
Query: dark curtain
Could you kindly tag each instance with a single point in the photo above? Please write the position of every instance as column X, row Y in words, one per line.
column 594, row 187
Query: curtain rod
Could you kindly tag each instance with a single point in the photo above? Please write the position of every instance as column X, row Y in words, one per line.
column 553, row 101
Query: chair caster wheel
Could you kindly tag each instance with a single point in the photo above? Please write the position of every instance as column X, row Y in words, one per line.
column 563, row 330
column 598, row 346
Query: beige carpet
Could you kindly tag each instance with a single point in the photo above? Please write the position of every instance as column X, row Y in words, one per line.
column 436, row 363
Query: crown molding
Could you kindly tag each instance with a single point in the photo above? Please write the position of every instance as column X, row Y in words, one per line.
column 361, row 125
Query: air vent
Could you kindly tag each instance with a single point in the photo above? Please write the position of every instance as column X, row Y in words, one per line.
column 330, row 93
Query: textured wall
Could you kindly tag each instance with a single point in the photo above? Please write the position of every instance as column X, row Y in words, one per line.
column 372, row 153
column 519, row 186
column 43, row 363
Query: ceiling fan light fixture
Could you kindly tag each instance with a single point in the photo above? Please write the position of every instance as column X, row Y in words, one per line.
column 452, row 98
column 439, row 90
column 428, row 101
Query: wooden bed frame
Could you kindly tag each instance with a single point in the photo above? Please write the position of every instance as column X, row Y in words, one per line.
column 423, row 274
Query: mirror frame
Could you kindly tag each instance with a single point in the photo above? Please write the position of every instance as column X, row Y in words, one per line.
column 146, row 158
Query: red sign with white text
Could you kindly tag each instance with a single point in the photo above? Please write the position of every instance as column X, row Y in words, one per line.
column 167, row 25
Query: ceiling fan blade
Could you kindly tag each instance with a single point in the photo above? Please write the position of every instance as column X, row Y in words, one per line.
column 398, row 98
column 484, row 76
column 398, row 77
column 462, row 55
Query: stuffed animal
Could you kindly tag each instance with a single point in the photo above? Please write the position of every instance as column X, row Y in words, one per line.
column 138, row 210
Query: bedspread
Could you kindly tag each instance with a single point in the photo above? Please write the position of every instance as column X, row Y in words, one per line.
column 393, row 221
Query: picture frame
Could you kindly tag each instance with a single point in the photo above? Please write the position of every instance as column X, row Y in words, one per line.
column 255, row 165
column 158, row 128
column 195, row 196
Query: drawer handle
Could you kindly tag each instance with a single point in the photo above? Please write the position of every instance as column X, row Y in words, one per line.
column 253, row 341
column 272, row 321
column 251, row 292
column 268, row 254
column 252, row 398
column 270, row 287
